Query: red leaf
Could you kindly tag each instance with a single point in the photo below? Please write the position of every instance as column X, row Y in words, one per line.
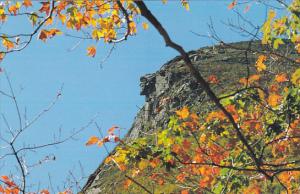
column 45, row 7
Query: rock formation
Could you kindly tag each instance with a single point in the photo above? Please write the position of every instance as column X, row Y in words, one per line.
column 172, row 87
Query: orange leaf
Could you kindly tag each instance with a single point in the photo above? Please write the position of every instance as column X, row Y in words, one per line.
column 161, row 181
column 213, row 79
column 254, row 78
column 49, row 21
column 127, row 183
column 44, row 191
column 14, row 9
column 92, row 140
column 145, row 25
column 181, row 177
column 185, row 191
column 274, row 100
column 281, row 77
column 232, row 4
column 53, row 32
column 27, row 3
column 183, row 113
column 260, row 66
column 91, row 51
column 112, row 129
column 2, row 55
column 8, row 44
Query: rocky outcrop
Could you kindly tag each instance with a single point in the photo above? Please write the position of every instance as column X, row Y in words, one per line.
column 173, row 87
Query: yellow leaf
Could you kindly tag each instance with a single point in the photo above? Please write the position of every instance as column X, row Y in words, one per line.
column 92, row 140
column 97, row 34
column 183, row 113
column 271, row 14
column 186, row 6
column 132, row 28
column 260, row 66
column 91, row 51
column 8, row 44
column 143, row 164
column 296, row 77
column 145, row 25
column 277, row 42
column 62, row 18
column 49, row 21
column 202, row 138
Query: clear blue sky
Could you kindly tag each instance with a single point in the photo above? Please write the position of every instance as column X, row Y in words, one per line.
column 111, row 92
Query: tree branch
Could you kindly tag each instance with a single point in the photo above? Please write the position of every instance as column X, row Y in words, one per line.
column 197, row 75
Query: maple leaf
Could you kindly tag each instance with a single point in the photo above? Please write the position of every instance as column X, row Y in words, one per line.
column 13, row 9
column 52, row 32
column 8, row 44
column 281, row 78
column 27, row 3
column 260, row 66
column 49, row 21
column 183, row 113
column 93, row 140
column 43, row 35
column 45, row 7
column 62, row 18
column 91, row 51
column 232, row 4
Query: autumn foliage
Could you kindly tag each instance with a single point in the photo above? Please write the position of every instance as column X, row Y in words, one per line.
column 247, row 143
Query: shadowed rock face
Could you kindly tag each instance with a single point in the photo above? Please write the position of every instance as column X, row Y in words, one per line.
column 172, row 87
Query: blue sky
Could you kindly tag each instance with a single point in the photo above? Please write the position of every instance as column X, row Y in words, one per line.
column 111, row 92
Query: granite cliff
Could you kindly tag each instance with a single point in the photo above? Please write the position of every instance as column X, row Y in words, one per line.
column 172, row 87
